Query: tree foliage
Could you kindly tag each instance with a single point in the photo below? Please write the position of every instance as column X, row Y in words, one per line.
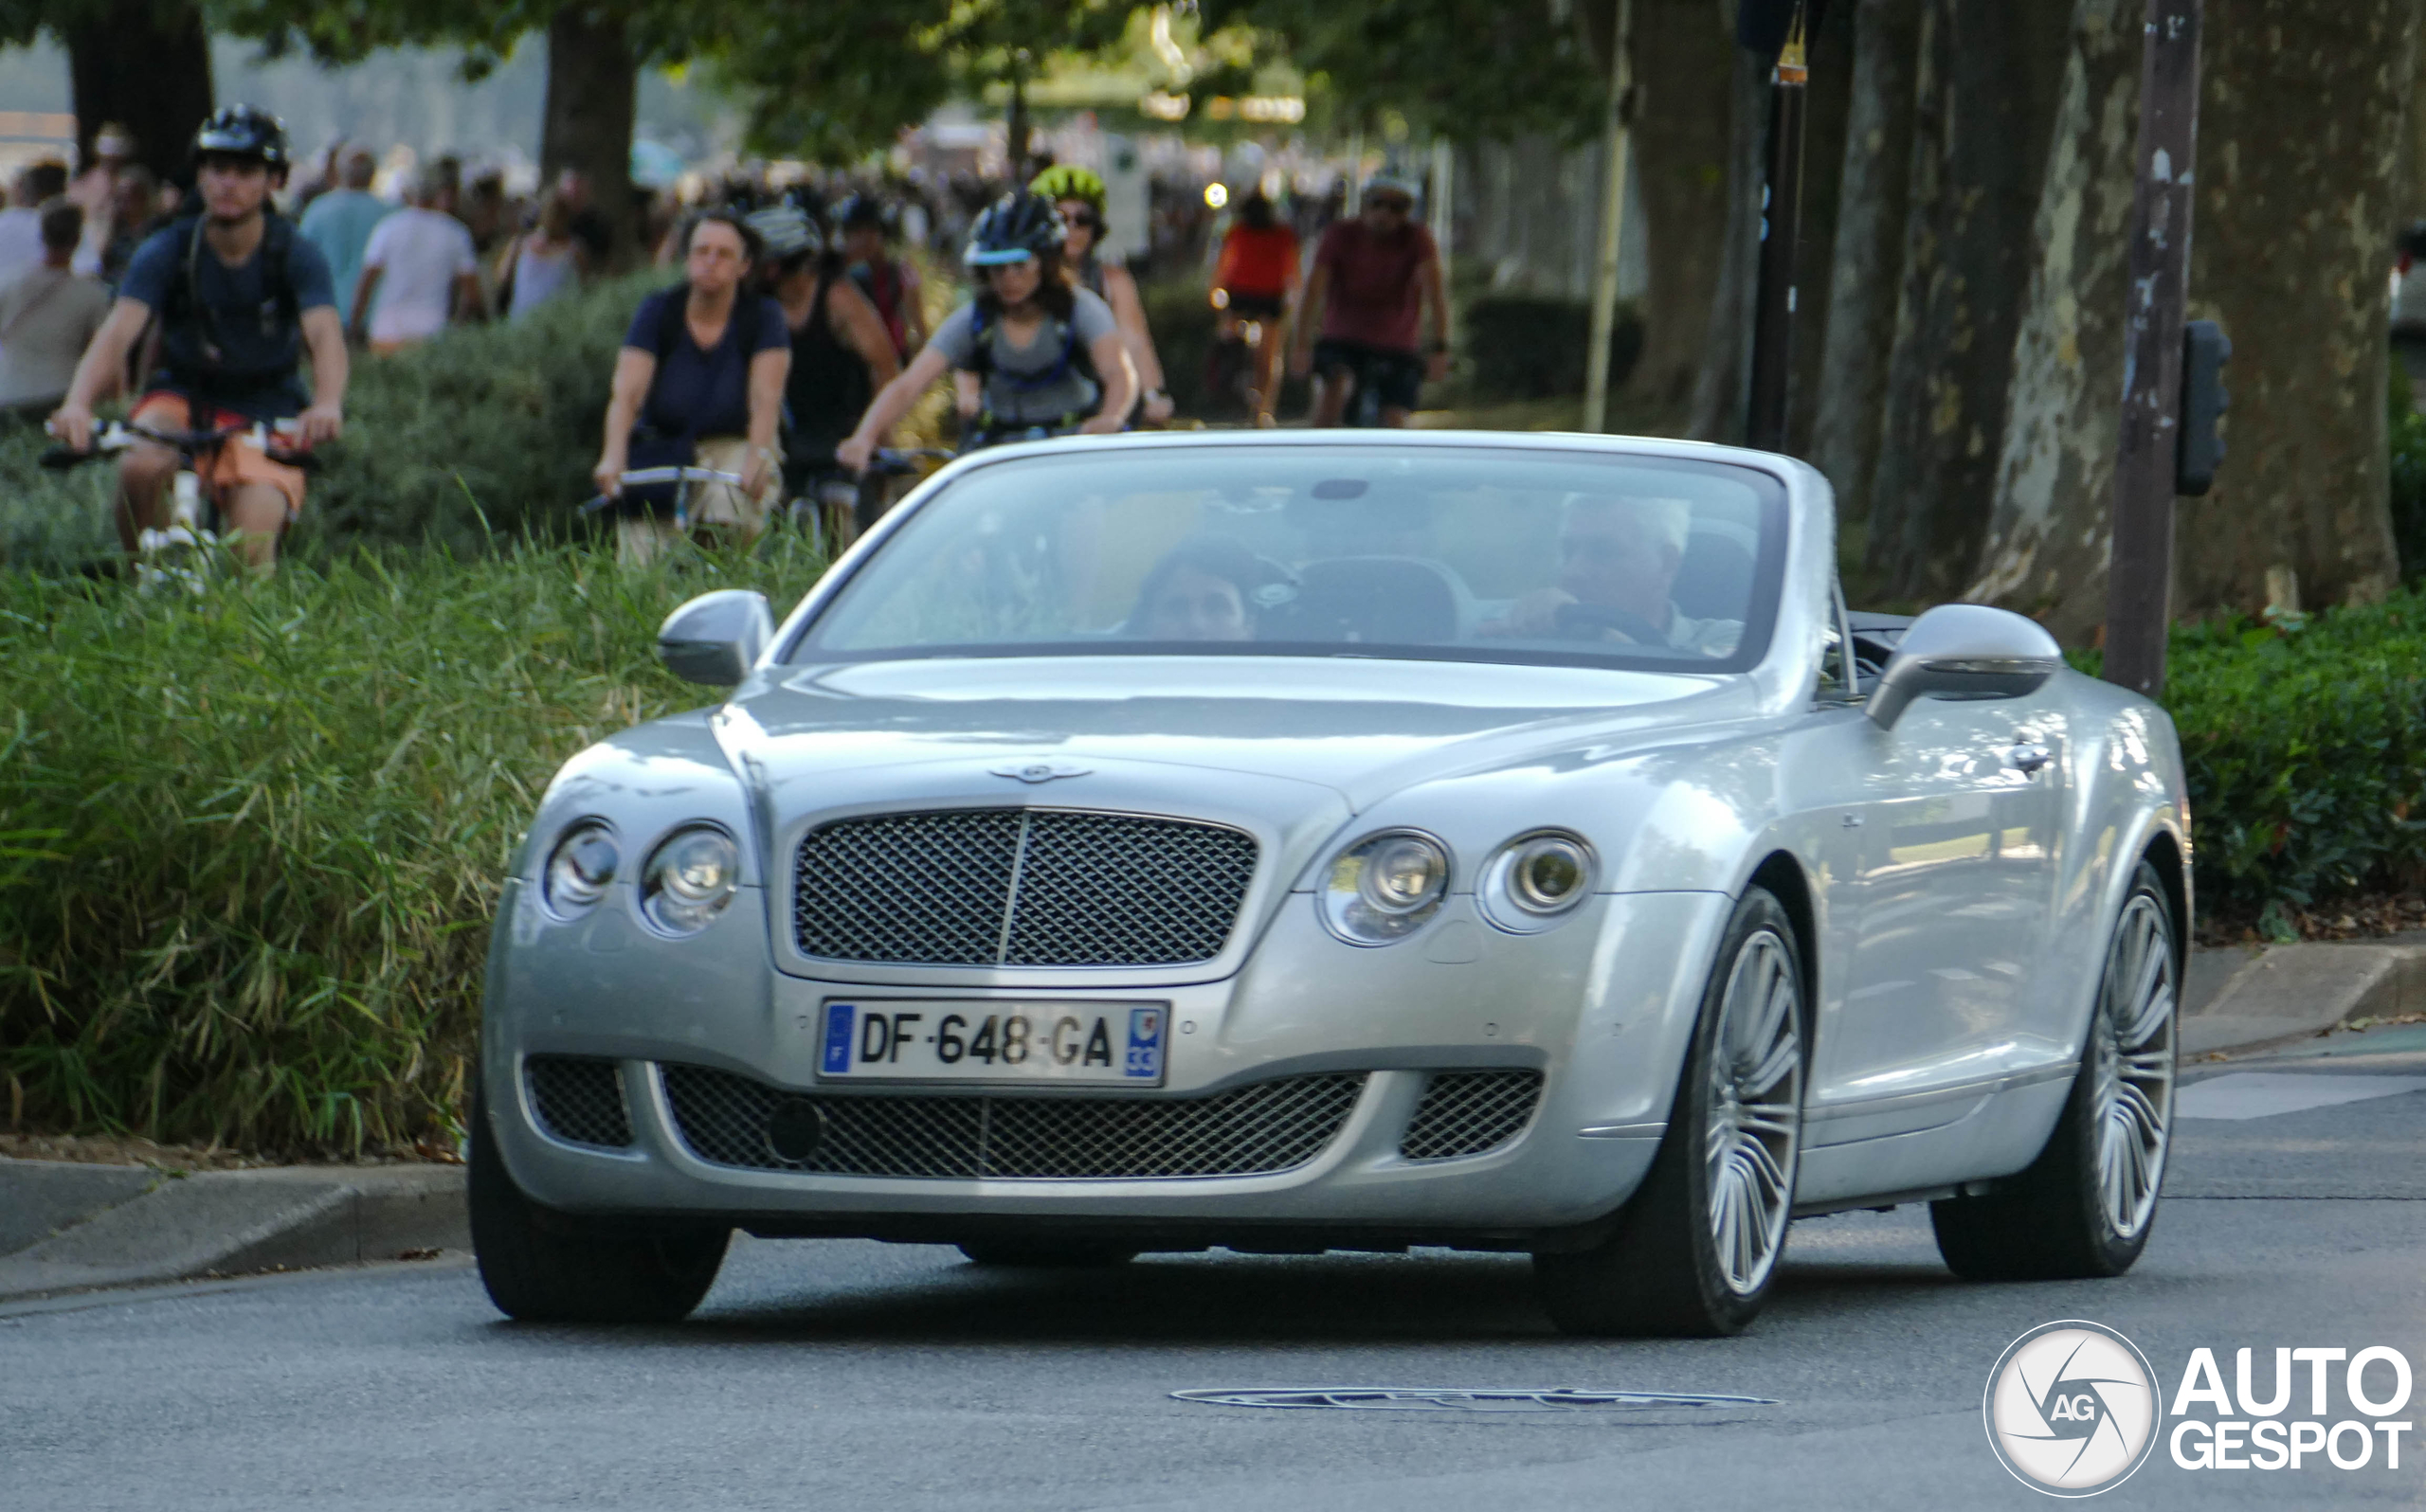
column 835, row 80
column 1468, row 70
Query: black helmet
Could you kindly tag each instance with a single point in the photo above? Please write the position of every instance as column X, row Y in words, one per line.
column 1012, row 229
column 241, row 131
column 859, row 208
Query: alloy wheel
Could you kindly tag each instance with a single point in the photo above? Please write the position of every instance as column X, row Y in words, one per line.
column 2133, row 1058
column 1755, row 1121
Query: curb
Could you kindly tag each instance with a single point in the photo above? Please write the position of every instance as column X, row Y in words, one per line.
column 120, row 1226
column 2285, row 994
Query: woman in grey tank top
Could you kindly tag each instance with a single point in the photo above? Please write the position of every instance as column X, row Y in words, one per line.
column 1050, row 355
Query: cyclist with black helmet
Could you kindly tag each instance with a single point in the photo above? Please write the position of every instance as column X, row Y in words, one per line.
column 841, row 351
column 1079, row 193
column 240, row 297
column 866, row 227
column 1049, row 354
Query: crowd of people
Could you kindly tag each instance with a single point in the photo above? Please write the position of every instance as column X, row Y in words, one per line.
column 796, row 339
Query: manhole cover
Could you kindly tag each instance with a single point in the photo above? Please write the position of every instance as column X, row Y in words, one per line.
column 1465, row 1399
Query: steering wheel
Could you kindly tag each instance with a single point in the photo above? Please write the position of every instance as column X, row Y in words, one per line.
column 1591, row 622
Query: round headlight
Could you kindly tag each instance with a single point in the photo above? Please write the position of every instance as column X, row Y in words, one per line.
column 689, row 880
column 1384, row 887
column 1535, row 879
column 580, row 868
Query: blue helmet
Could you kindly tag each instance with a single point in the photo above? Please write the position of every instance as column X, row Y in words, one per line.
column 1014, row 228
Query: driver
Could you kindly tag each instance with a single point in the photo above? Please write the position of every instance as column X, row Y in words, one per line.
column 1200, row 591
column 1619, row 557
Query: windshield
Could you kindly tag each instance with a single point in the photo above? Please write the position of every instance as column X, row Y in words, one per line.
column 1426, row 553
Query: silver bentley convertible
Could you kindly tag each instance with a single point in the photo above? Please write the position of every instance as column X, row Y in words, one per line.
column 1335, row 840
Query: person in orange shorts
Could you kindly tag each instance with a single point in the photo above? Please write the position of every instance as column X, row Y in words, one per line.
column 240, row 297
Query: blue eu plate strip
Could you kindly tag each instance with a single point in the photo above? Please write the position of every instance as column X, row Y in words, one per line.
column 837, row 1039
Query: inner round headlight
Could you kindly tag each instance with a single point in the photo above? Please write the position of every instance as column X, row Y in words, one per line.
column 1535, row 879
column 580, row 868
column 1384, row 887
column 689, row 880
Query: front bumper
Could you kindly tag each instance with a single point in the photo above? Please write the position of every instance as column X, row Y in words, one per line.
column 1601, row 1007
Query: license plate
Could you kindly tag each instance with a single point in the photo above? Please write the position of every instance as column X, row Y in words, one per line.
column 929, row 1041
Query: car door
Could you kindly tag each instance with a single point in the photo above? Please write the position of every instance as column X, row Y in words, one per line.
column 1953, row 904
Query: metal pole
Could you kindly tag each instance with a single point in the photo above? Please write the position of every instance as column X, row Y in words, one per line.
column 2139, row 581
column 1781, row 240
column 1613, row 214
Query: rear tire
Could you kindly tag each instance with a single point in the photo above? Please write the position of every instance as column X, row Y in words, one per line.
column 1045, row 1254
column 1695, row 1249
column 2083, row 1210
column 542, row 1266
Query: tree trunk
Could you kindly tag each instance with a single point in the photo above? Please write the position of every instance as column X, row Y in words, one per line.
column 1830, row 101
column 1867, row 265
column 593, row 82
column 1983, row 119
column 1016, row 130
column 2050, row 525
column 1719, row 385
column 146, row 66
column 1684, row 58
column 2298, row 176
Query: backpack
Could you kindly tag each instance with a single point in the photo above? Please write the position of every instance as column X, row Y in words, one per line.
column 1070, row 359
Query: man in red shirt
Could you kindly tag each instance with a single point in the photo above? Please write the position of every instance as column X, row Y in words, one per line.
column 1372, row 276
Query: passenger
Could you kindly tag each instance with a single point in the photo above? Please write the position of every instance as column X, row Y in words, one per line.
column 1617, row 561
column 1200, row 591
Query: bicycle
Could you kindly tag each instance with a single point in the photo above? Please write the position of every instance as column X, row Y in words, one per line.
column 834, row 508
column 186, row 551
column 680, row 476
column 1234, row 364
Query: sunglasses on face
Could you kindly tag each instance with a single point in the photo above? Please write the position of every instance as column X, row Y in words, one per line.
column 1392, row 204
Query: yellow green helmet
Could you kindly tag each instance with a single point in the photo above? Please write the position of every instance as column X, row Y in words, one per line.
column 1067, row 181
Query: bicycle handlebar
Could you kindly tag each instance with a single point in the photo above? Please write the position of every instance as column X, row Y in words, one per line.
column 646, row 476
column 118, row 436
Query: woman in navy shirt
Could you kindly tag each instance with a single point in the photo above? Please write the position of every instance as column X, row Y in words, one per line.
column 701, row 377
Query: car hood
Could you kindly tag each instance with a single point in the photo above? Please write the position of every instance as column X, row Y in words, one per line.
column 1361, row 727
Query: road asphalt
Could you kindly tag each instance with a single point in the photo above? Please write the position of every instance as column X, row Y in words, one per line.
column 854, row 1374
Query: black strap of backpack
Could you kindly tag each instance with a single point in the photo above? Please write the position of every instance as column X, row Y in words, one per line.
column 185, row 305
column 981, row 332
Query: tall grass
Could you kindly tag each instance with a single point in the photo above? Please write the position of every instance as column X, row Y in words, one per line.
column 250, row 841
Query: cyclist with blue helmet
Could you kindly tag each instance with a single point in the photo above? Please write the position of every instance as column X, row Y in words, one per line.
column 1049, row 355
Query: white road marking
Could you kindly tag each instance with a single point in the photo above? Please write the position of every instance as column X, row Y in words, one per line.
column 2263, row 1094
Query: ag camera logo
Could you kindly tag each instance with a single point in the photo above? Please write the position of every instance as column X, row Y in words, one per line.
column 2071, row 1408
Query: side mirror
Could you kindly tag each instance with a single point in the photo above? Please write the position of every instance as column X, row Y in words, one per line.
column 1965, row 651
column 716, row 637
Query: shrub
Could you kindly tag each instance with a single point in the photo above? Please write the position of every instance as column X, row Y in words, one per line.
column 2406, row 432
column 1525, row 347
column 2306, row 754
column 249, row 842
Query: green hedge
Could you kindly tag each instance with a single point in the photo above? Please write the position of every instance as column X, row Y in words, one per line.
column 249, row 842
column 2306, row 754
column 486, row 433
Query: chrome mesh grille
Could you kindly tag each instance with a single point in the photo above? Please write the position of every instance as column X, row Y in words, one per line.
column 1249, row 1130
column 1470, row 1112
column 579, row 1100
column 984, row 887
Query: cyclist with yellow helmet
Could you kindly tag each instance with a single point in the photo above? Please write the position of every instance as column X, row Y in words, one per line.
column 1078, row 193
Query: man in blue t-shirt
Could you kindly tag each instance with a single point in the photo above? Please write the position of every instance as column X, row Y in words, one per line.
column 240, row 297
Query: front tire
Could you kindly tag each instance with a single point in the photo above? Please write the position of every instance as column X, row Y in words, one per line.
column 542, row 1266
column 2084, row 1208
column 1695, row 1249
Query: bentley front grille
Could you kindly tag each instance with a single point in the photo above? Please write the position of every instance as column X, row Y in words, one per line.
column 579, row 1100
column 1469, row 1113
column 1020, row 887
column 1252, row 1130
